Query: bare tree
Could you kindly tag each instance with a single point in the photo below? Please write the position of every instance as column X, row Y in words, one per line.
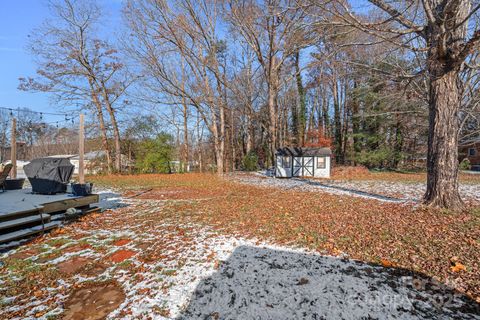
column 445, row 34
column 274, row 29
column 170, row 40
column 78, row 67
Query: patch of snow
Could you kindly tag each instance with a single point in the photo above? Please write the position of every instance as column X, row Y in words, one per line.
column 196, row 273
column 109, row 199
column 385, row 191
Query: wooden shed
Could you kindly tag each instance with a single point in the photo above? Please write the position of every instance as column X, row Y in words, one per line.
column 303, row 162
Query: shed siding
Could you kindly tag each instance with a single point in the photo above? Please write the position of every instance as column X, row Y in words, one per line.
column 282, row 172
column 322, row 172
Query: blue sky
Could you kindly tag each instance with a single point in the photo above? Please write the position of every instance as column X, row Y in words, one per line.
column 17, row 19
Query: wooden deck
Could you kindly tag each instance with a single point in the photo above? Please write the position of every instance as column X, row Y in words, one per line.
column 23, row 214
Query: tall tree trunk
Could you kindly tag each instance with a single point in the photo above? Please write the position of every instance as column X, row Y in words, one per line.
column 355, row 123
column 185, row 136
column 116, row 134
column 222, row 137
column 185, row 120
column 326, row 119
column 398, row 143
column 337, row 123
column 250, row 129
column 442, row 162
column 101, row 124
column 446, row 40
column 199, row 143
column 219, row 155
column 249, row 112
column 272, row 125
column 295, row 125
column 116, row 131
column 302, row 103
column 232, row 140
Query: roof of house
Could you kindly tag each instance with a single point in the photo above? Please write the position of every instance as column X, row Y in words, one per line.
column 303, row 151
column 92, row 155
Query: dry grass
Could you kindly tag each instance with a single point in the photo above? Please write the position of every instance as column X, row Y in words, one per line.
column 422, row 240
column 440, row 244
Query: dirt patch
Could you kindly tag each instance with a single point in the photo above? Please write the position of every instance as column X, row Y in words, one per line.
column 93, row 302
column 78, row 247
column 73, row 265
column 48, row 257
column 121, row 242
column 24, row 254
column 121, row 255
column 93, row 270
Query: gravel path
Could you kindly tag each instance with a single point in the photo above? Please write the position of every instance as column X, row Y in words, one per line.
column 400, row 192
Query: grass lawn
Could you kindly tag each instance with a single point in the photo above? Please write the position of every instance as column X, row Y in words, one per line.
column 173, row 223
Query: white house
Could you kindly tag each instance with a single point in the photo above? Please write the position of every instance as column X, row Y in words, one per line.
column 303, row 162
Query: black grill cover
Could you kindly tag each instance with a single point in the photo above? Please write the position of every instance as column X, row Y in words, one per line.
column 49, row 175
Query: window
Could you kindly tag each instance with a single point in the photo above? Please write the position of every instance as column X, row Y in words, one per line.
column 321, row 162
column 471, row 151
column 287, row 162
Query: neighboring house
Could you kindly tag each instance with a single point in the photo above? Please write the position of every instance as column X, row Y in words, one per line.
column 303, row 162
column 94, row 161
column 471, row 151
column 5, row 152
column 179, row 166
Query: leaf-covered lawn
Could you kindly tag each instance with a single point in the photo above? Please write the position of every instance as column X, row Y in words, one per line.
column 423, row 240
column 362, row 174
column 177, row 229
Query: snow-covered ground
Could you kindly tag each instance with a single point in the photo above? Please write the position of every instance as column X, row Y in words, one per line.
column 179, row 270
column 109, row 199
column 375, row 189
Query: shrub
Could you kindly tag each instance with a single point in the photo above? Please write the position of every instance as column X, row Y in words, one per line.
column 250, row 162
column 465, row 164
column 377, row 158
column 154, row 155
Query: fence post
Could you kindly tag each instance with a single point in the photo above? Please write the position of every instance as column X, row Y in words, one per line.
column 81, row 151
column 13, row 149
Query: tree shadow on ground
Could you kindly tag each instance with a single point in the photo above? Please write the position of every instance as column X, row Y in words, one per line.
column 259, row 283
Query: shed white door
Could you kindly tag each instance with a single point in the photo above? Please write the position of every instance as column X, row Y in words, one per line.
column 303, row 167
column 308, row 166
column 297, row 166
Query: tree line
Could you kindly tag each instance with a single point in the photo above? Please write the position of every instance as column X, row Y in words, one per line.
column 384, row 85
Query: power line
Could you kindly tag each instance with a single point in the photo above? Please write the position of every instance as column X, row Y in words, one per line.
column 67, row 119
column 32, row 111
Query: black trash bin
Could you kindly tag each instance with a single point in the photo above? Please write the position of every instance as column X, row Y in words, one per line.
column 49, row 175
column 82, row 190
column 14, row 184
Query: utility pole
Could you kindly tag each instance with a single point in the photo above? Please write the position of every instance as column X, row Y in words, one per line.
column 13, row 149
column 81, row 150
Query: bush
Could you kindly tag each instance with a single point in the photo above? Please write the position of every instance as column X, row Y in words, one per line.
column 250, row 162
column 465, row 164
column 377, row 158
column 154, row 155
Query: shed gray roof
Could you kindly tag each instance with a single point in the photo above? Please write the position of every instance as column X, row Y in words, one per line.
column 303, row 151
